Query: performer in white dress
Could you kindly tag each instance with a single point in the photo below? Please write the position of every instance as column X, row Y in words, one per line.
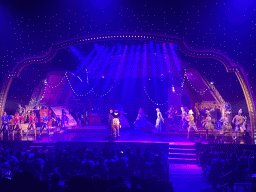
column 159, row 121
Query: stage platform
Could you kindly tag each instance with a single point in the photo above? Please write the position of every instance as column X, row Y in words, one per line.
column 174, row 145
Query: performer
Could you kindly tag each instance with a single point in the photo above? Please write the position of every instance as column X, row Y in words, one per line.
column 226, row 127
column 239, row 122
column 58, row 121
column 32, row 123
column 123, row 121
column 141, row 121
column 21, row 110
column 116, row 124
column 170, row 114
column 45, row 119
column 183, row 118
column 207, row 123
column 159, row 121
column 64, row 118
column 191, row 122
column 17, row 120
column 110, row 121
column 5, row 126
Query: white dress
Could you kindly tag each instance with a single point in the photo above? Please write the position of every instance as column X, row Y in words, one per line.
column 159, row 122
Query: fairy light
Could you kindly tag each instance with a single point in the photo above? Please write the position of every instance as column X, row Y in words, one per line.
column 161, row 104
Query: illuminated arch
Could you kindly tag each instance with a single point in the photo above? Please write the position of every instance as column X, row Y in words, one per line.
column 250, row 100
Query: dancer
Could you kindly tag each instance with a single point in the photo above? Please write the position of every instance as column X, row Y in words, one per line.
column 21, row 110
column 110, row 121
column 170, row 113
column 239, row 122
column 123, row 121
column 141, row 121
column 207, row 123
column 17, row 120
column 32, row 123
column 191, row 122
column 5, row 126
column 64, row 118
column 183, row 118
column 159, row 121
column 226, row 127
column 45, row 119
column 116, row 124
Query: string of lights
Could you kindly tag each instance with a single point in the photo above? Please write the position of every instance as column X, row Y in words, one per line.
column 103, row 95
column 161, row 104
column 90, row 91
column 45, row 86
column 201, row 92
column 55, row 86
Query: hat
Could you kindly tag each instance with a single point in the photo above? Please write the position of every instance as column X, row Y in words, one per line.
column 240, row 111
column 116, row 111
column 190, row 112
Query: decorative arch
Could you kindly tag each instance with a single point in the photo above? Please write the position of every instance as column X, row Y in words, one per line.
column 250, row 100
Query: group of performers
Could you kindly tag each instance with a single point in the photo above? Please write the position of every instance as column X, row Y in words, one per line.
column 13, row 124
column 187, row 122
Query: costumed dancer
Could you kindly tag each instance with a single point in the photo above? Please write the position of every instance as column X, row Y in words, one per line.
column 17, row 120
column 239, row 122
column 32, row 123
column 45, row 119
column 123, row 121
column 170, row 114
column 58, row 121
column 64, row 118
column 116, row 124
column 141, row 121
column 21, row 110
column 226, row 127
column 191, row 123
column 207, row 123
column 183, row 118
column 159, row 121
column 5, row 126
column 110, row 121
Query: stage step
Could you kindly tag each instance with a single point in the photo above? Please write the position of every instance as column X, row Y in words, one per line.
column 182, row 154
column 182, row 161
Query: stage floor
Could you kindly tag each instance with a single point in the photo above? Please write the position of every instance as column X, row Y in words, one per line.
column 102, row 134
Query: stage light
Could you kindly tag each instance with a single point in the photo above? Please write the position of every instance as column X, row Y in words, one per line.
column 211, row 83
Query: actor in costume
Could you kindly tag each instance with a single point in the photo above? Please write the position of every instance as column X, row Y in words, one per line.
column 58, row 121
column 183, row 118
column 191, row 123
column 45, row 119
column 116, row 124
column 110, row 121
column 239, row 122
column 207, row 123
column 32, row 123
column 17, row 120
column 226, row 127
column 21, row 110
column 64, row 118
column 170, row 114
column 141, row 121
column 5, row 126
column 159, row 121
